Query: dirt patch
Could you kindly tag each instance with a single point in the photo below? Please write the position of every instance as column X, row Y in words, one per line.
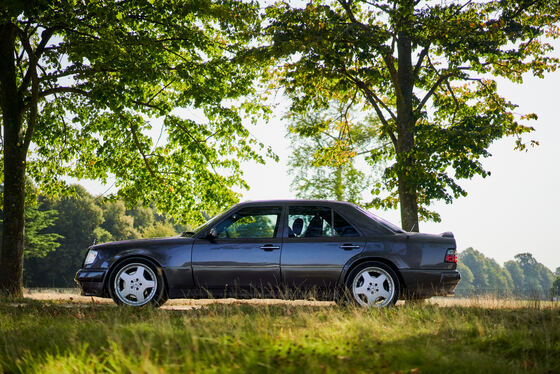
column 72, row 296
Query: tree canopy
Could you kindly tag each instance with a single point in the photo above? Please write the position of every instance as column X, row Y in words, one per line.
column 428, row 70
column 327, row 145
column 522, row 277
column 85, row 85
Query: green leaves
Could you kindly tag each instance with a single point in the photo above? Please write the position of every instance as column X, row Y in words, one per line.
column 426, row 71
column 116, row 76
column 326, row 148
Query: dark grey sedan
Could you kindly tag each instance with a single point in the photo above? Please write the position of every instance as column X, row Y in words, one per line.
column 278, row 248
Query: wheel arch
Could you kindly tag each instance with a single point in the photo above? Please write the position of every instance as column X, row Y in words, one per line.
column 139, row 257
column 352, row 265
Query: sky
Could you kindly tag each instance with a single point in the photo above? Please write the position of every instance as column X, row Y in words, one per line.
column 515, row 210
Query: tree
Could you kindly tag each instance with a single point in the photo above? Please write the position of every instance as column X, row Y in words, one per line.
column 80, row 82
column 325, row 147
column 159, row 230
column 555, row 290
column 516, row 275
column 116, row 222
column 78, row 218
column 37, row 241
column 465, row 287
column 427, row 69
column 475, row 261
column 143, row 217
column 529, row 266
column 523, row 277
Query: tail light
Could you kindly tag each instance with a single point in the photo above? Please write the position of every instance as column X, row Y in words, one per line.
column 451, row 256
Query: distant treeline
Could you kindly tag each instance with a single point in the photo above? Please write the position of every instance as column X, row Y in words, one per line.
column 58, row 233
column 522, row 277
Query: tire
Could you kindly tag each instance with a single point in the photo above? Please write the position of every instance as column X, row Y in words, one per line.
column 373, row 284
column 136, row 282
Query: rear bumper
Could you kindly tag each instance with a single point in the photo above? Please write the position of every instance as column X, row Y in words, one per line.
column 91, row 281
column 428, row 283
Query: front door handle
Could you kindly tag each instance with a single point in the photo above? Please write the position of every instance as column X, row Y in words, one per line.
column 269, row 247
column 348, row 247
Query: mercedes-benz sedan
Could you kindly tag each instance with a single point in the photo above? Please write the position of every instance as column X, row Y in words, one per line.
column 280, row 249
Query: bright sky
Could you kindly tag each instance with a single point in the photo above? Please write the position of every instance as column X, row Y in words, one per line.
column 514, row 210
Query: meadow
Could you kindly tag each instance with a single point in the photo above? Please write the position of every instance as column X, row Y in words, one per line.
column 66, row 333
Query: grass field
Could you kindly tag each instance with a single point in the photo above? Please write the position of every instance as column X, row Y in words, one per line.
column 57, row 333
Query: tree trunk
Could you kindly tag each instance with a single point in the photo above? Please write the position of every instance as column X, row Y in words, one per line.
column 405, row 135
column 11, row 249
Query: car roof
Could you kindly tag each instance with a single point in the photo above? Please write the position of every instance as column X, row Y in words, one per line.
column 295, row 201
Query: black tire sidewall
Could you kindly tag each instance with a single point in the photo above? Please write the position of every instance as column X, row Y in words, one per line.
column 355, row 271
column 160, row 297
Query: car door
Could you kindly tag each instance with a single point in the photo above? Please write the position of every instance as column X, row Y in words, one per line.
column 317, row 244
column 244, row 255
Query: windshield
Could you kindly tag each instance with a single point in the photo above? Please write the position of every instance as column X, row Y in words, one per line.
column 211, row 221
column 391, row 226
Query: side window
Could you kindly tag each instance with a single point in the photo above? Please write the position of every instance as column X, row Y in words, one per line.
column 309, row 222
column 342, row 227
column 250, row 223
column 315, row 222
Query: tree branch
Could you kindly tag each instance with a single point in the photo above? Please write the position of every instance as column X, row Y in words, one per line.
column 58, row 90
column 144, row 157
column 148, row 105
column 454, row 99
column 32, row 118
column 421, row 57
column 33, row 56
column 431, row 91
column 374, row 100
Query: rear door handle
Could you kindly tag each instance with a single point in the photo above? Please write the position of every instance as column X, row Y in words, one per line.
column 348, row 247
column 269, row 247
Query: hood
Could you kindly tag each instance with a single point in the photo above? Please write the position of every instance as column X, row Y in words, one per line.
column 142, row 243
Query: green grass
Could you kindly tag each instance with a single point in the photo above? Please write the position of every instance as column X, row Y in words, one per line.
column 54, row 337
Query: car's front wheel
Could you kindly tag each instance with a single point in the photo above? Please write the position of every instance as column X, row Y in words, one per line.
column 373, row 284
column 137, row 283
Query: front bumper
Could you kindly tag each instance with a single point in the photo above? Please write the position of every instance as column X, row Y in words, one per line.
column 91, row 281
column 428, row 283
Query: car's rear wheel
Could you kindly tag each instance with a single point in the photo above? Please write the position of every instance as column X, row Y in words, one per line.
column 137, row 283
column 373, row 284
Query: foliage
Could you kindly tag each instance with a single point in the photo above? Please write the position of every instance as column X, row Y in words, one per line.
column 78, row 219
column 38, row 242
column 555, row 290
column 159, row 230
column 110, row 74
column 83, row 220
column 428, row 71
column 85, row 86
column 287, row 338
column 524, row 277
column 325, row 147
column 116, row 222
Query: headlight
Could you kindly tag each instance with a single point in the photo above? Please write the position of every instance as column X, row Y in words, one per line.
column 91, row 256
